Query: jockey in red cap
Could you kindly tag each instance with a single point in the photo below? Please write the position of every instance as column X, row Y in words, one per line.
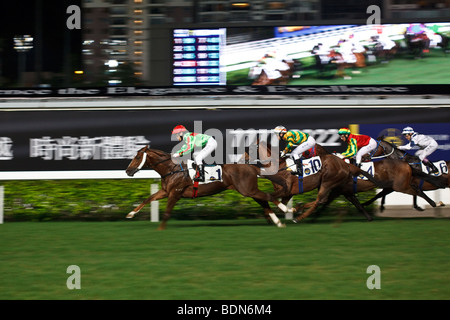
column 358, row 145
column 195, row 140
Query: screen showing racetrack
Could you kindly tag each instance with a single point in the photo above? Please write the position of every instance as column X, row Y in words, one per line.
column 387, row 54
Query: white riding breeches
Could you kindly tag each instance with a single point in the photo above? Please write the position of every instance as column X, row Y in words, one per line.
column 210, row 146
column 372, row 145
column 305, row 146
column 423, row 153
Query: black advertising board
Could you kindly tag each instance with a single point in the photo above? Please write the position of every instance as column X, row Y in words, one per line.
column 107, row 140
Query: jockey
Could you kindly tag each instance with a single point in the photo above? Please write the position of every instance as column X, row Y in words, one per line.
column 297, row 143
column 195, row 140
column 427, row 145
column 358, row 145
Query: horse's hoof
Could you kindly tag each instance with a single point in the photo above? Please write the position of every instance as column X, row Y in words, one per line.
column 419, row 208
column 294, row 220
column 441, row 204
column 130, row 215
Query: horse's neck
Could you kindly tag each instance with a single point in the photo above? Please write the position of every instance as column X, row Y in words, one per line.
column 397, row 154
column 320, row 151
column 160, row 161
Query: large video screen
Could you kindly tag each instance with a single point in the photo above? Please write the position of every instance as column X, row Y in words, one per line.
column 387, row 54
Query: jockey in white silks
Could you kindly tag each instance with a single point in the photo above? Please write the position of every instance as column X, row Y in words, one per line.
column 323, row 53
column 386, row 42
column 435, row 39
column 427, row 145
column 346, row 50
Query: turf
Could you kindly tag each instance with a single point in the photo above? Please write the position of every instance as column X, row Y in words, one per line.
column 220, row 260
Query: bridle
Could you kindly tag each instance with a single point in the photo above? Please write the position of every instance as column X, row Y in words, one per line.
column 384, row 155
column 153, row 166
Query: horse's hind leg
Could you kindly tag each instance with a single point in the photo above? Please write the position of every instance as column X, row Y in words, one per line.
column 161, row 194
column 171, row 200
column 322, row 198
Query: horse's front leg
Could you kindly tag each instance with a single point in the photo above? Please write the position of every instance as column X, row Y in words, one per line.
column 322, row 198
column 161, row 194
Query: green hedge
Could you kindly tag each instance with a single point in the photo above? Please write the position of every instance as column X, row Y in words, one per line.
column 112, row 199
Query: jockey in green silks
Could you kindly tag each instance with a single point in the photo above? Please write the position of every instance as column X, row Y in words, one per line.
column 297, row 143
column 195, row 140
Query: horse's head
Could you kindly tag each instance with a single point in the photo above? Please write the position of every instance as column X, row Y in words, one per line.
column 139, row 161
column 149, row 158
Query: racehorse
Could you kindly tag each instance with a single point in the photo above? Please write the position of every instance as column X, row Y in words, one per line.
column 333, row 174
column 262, row 79
column 422, row 184
column 425, row 182
column 398, row 177
column 417, row 44
column 176, row 183
column 341, row 64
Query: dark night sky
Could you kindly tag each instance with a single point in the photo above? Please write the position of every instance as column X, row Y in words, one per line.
column 19, row 18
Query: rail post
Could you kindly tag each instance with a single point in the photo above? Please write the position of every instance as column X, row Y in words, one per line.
column 154, row 205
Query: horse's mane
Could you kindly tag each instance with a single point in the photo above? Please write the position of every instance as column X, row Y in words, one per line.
column 158, row 152
column 408, row 156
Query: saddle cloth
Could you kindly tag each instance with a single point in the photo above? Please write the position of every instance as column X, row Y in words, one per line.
column 212, row 172
column 310, row 166
column 440, row 165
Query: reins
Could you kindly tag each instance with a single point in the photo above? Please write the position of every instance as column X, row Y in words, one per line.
column 144, row 159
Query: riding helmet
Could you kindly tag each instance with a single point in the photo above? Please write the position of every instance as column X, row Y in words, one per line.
column 344, row 131
column 279, row 129
column 179, row 129
column 408, row 130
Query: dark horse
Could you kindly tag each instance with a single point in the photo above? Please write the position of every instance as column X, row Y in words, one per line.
column 417, row 44
column 396, row 174
column 334, row 173
column 419, row 180
column 176, row 183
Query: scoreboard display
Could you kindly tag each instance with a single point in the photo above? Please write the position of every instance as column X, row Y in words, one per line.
column 196, row 56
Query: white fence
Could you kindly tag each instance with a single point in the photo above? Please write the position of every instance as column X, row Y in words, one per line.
column 70, row 175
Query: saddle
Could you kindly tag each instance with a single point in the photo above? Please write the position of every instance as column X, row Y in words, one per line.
column 213, row 172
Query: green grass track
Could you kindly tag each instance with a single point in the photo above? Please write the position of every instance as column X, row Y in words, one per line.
column 226, row 259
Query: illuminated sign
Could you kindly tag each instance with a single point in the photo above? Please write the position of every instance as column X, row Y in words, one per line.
column 197, row 57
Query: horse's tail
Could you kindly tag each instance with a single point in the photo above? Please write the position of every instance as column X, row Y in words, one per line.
column 437, row 181
column 355, row 171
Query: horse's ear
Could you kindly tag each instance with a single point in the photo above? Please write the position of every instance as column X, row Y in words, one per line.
column 381, row 138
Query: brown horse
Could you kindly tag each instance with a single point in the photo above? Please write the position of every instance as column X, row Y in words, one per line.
column 423, row 185
column 176, row 183
column 395, row 173
column 423, row 181
column 334, row 173
column 341, row 64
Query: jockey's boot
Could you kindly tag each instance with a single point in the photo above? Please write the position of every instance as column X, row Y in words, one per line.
column 200, row 174
column 430, row 165
column 299, row 164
